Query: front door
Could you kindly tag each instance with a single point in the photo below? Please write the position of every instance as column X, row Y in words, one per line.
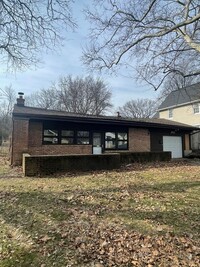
column 97, row 143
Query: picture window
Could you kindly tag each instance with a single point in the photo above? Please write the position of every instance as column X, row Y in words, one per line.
column 116, row 140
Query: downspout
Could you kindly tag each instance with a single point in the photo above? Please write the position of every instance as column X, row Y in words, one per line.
column 11, row 151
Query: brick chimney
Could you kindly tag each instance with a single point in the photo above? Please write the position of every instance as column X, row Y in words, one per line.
column 20, row 99
column 118, row 114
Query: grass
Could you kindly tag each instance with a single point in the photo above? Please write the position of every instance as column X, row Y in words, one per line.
column 76, row 219
column 4, row 162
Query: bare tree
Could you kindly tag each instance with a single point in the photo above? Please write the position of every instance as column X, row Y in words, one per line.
column 162, row 35
column 26, row 26
column 7, row 99
column 79, row 95
column 45, row 98
column 139, row 108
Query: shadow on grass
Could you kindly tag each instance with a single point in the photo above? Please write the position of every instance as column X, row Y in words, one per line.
column 32, row 211
column 32, row 216
column 46, row 218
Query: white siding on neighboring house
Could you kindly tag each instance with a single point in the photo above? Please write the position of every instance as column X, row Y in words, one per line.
column 187, row 114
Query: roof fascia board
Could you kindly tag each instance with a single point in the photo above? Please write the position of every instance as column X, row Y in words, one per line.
column 137, row 124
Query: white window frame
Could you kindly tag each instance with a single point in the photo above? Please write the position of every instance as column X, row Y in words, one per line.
column 170, row 113
column 196, row 108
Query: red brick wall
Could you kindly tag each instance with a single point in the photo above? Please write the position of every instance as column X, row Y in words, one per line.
column 36, row 148
column 35, row 134
column 60, row 149
column 19, row 140
column 27, row 138
column 139, row 140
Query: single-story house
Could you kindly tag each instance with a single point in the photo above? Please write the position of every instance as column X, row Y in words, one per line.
column 38, row 131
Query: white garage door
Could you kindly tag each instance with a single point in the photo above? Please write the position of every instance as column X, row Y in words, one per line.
column 173, row 144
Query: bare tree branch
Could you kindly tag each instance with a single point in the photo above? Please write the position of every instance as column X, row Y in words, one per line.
column 26, row 26
column 138, row 108
column 161, row 35
column 7, row 98
column 78, row 95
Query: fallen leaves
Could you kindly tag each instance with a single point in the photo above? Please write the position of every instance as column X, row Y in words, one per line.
column 107, row 244
column 143, row 215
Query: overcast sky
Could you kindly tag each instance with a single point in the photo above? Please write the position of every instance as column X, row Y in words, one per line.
column 67, row 60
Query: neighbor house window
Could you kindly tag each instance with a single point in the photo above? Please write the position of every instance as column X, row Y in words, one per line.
column 50, row 136
column 170, row 113
column 196, row 108
column 67, row 137
column 116, row 140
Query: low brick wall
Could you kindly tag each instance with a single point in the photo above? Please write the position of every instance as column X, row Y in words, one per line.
column 45, row 165
column 131, row 157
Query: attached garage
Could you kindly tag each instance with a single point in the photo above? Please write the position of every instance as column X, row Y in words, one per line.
column 173, row 144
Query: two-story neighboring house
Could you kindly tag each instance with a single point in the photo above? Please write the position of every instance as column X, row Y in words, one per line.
column 183, row 106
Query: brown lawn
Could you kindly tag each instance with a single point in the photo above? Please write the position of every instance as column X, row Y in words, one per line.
column 142, row 215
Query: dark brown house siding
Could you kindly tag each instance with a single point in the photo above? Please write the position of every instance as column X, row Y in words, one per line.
column 157, row 138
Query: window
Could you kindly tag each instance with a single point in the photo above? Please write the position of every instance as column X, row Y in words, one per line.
column 116, row 140
column 122, row 141
column 83, row 137
column 110, row 140
column 67, row 137
column 50, row 136
column 170, row 113
column 196, row 108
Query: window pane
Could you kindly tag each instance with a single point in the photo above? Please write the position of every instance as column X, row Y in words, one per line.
column 50, row 140
column 170, row 113
column 110, row 144
column 50, row 132
column 196, row 108
column 122, row 145
column 83, row 134
column 67, row 141
column 122, row 136
column 83, row 141
column 67, row 133
column 96, row 139
column 109, row 135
